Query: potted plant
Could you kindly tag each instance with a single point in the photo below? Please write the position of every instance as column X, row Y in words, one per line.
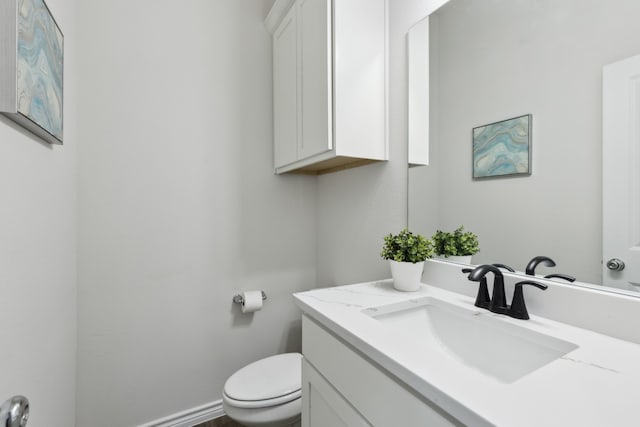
column 406, row 253
column 458, row 246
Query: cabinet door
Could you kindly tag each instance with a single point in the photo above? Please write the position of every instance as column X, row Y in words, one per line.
column 316, row 109
column 322, row 406
column 359, row 78
column 285, row 90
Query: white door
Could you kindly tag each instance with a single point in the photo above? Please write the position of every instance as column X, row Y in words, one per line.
column 621, row 174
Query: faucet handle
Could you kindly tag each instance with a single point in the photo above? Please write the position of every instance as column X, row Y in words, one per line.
column 561, row 276
column 518, row 309
column 482, row 299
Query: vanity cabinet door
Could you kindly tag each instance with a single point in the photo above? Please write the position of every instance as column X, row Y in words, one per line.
column 285, row 90
column 322, row 404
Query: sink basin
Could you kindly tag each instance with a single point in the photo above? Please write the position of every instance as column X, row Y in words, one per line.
column 475, row 337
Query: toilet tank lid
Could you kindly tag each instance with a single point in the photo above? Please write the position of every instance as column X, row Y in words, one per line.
column 267, row 378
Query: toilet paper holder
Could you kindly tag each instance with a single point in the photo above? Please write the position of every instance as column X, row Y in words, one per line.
column 239, row 299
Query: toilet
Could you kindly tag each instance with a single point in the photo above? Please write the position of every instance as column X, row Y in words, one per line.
column 266, row 393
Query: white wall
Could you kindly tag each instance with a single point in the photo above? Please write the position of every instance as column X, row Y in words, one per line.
column 38, row 253
column 357, row 207
column 543, row 58
column 179, row 207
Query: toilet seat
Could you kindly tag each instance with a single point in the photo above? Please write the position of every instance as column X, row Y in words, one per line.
column 272, row 381
column 252, row 404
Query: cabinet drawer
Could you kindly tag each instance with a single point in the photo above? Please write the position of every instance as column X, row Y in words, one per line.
column 373, row 392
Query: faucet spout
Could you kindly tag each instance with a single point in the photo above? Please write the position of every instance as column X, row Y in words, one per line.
column 482, row 299
column 498, row 299
column 535, row 261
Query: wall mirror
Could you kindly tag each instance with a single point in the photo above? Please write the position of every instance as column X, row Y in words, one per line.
column 498, row 59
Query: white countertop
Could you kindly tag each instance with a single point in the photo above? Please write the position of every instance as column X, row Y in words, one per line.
column 598, row 384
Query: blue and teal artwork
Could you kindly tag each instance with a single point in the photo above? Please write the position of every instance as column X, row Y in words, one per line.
column 40, row 67
column 502, row 148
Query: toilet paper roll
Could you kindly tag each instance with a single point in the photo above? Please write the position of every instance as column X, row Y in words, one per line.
column 252, row 301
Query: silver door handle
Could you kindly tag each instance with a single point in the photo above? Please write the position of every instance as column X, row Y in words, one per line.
column 14, row 412
column 615, row 264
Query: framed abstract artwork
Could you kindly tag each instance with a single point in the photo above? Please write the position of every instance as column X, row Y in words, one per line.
column 31, row 68
column 502, row 148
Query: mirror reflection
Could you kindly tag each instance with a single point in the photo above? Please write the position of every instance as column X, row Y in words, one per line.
column 498, row 59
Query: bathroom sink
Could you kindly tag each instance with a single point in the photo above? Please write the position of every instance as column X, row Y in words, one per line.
column 476, row 337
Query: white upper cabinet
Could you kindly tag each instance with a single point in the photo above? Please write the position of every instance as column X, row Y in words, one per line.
column 329, row 84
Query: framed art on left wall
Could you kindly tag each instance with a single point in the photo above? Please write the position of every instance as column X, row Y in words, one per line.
column 31, row 68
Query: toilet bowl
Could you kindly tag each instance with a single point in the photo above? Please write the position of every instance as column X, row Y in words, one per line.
column 266, row 393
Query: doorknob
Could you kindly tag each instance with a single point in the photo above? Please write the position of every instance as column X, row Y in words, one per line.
column 14, row 412
column 615, row 264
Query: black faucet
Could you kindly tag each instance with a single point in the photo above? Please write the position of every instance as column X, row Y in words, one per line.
column 535, row 261
column 518, row 309
column 498, row 302
column 482, row 299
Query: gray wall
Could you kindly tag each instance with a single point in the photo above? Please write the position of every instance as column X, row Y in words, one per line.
column 179, row 207
column 499, row 59
column 38, row 255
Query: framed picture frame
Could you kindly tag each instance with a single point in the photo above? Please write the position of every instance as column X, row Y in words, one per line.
column 32, row 68
column 502, row 148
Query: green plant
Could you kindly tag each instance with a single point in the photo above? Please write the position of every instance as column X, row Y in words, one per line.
column 457, row 243
column 406, row 247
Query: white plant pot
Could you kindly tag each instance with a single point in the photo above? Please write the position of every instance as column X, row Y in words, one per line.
column 406, row 275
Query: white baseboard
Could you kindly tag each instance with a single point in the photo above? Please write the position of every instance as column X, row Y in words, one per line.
column 190, row 417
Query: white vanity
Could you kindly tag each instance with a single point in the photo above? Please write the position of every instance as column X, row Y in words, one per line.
column 377, row 356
